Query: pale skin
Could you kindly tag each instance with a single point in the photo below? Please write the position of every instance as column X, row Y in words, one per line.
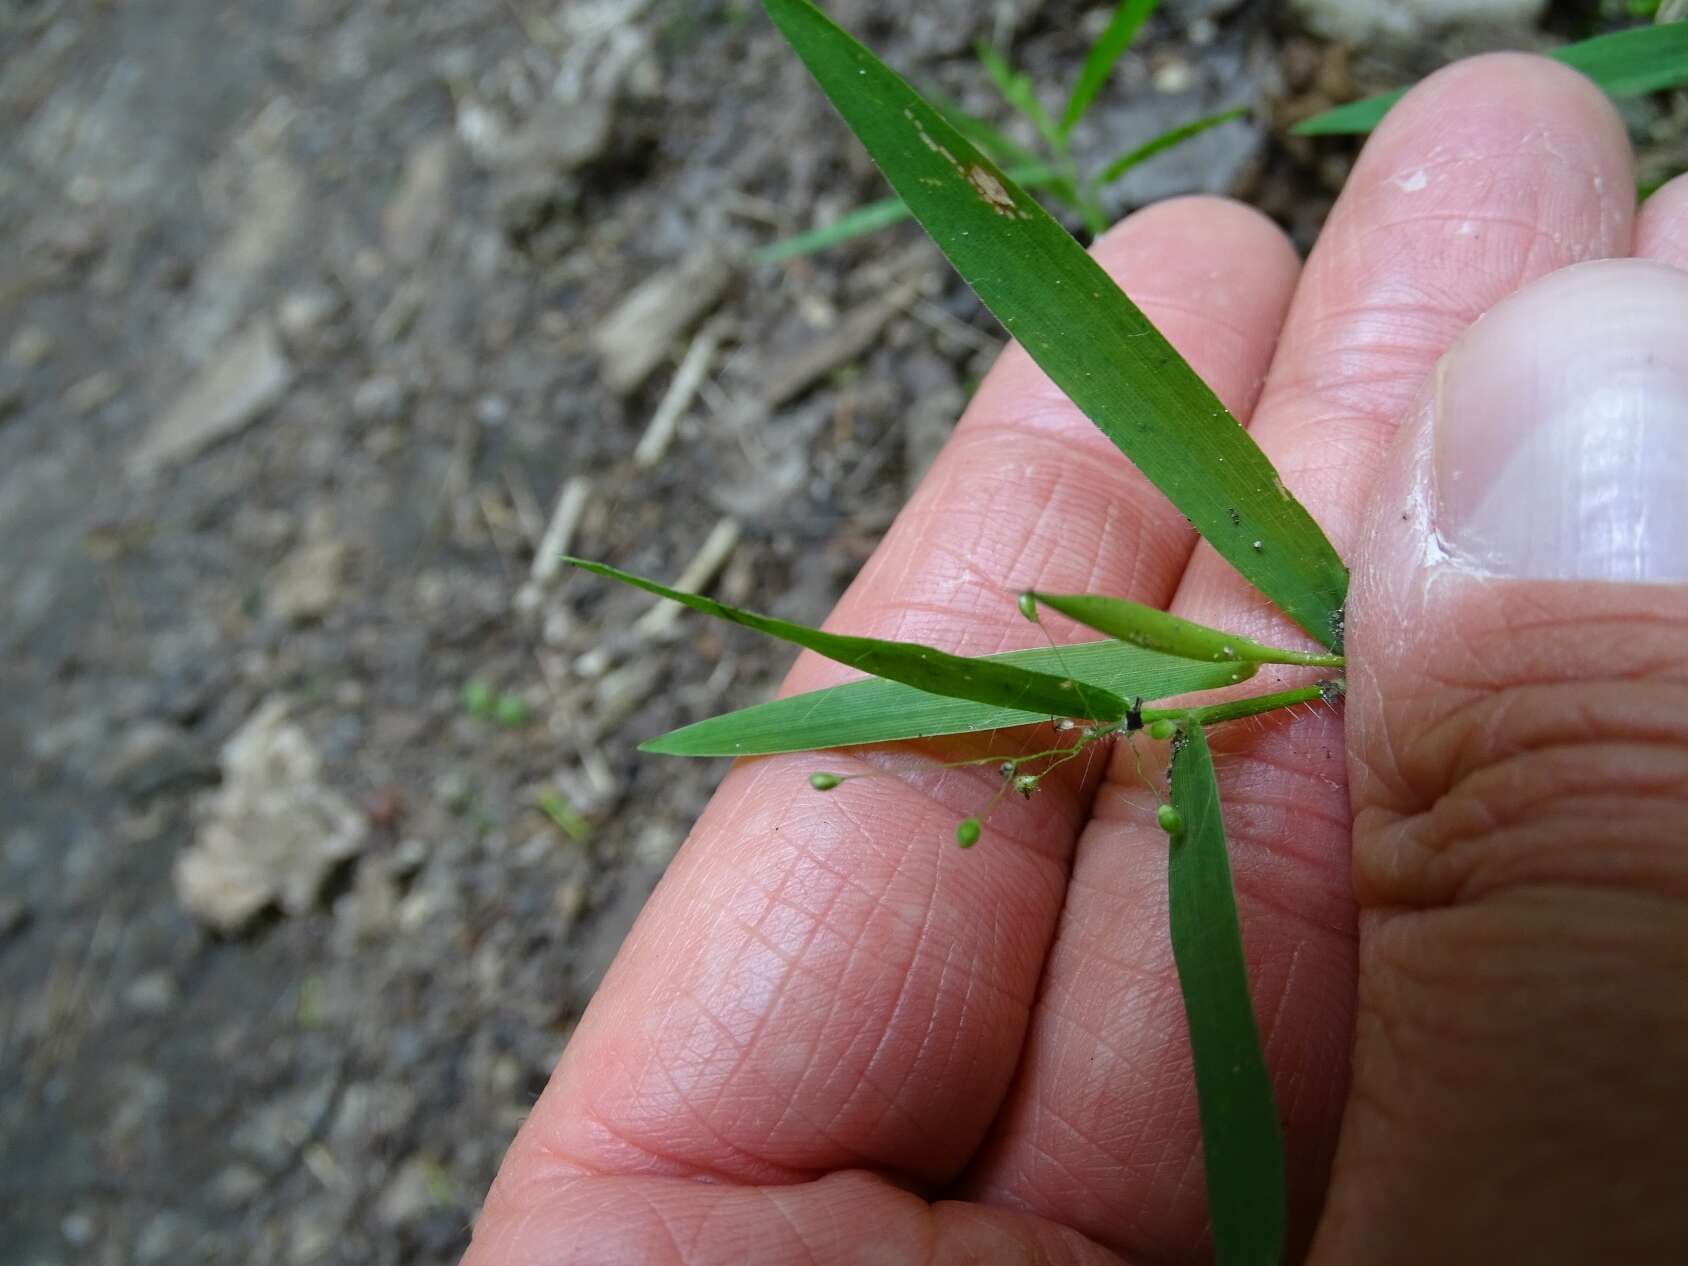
column 833, row 1037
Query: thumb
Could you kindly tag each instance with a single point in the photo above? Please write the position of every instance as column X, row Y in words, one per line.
column 1518, row 753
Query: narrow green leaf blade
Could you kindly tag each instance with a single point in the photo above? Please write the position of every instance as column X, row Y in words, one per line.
column 922, row 667
column 876, row 711
column 1165, row 141
column 1623, row 64
column 1169, row 634
column 1630, row 63
column 1242, row 1142
column 1356, row 118
column 1093, row 341
column 1018, row 91
column 867, row 218
column 1128, row 19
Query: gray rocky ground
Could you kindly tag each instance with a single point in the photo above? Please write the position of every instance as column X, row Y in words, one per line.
column 323, row 323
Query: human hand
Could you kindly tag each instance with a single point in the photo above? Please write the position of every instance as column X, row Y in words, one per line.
column 832, row 1037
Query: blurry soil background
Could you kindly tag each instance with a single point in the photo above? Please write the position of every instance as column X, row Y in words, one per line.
column 320, row 810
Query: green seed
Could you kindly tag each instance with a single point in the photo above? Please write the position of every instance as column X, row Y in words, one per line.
column 824, row 782
column 967, row 832
column 1025, row 784
column 479, row 699
column 1162, row 730
column 1171, row 821
column 1028, row 607
column 511, row 711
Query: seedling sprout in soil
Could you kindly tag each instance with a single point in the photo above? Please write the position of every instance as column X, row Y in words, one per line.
column 964, row 184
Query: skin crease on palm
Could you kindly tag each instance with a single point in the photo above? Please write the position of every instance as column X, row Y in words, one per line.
column 833, row 1037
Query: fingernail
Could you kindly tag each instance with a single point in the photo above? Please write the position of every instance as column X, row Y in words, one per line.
column 1561, row 429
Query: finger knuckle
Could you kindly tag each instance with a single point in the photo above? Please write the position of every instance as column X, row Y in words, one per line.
column 1534, row 783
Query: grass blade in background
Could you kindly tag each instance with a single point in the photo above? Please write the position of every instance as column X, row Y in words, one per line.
column 981, row 680
column 877, row 711
column 867, row 218
column 1624, row 64
column 1165, row 141
column 1630, row 63
column 1156, row 630
column 1128, row 19
column 1242, row 1142
column 1018, row 91
column 1075, row 322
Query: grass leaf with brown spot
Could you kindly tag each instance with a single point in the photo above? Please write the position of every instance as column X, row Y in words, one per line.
column 1081, row 328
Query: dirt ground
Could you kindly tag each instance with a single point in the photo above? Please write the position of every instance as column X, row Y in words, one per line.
column 320, row 809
